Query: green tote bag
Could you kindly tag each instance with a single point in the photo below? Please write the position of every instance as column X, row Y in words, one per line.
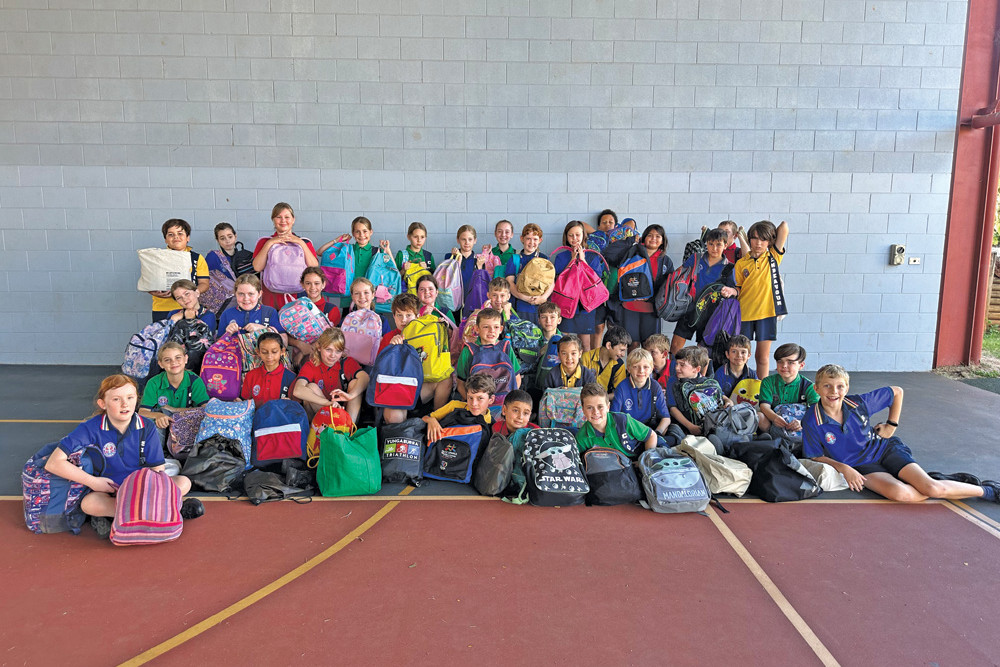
column 349, row 465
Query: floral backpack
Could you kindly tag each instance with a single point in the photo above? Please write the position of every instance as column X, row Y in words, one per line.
column 303, row 320
column 362, row 334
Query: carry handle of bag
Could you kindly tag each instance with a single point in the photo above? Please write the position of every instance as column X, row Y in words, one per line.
column 353, row 427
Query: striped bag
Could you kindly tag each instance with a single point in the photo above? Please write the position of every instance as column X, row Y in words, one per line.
column 147, row 509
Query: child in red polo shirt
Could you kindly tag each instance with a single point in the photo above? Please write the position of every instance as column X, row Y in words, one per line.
column 330, row 378
column 272, row 380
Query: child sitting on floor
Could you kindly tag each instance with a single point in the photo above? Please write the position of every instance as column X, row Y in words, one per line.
column 570, row 372
column 736, row 367
column 516, row 413
column 271, row 380
column 330, row 377
column 605, row 428
column 787, row 387
column 693, row 394
column 480, row 389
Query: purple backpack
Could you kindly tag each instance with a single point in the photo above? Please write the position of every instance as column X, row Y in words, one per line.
column 183, row 431
column 725, row 317
column 493, row 360
column 221, row 285
column 478, row 289
column 221, row 369
column 52, row 503
column 362, row 335
column 285, row 264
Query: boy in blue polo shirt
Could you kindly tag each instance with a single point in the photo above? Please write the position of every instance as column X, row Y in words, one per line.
column 736, row 368
column 643, row 399
column 837, row 431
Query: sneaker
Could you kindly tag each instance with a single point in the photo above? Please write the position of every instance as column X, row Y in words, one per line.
column 995, row 486
column 101, row 526
column 192, row 508
column 964, row 477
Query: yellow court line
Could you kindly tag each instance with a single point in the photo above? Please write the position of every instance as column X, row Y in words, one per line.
column 973, row 515
column 772, row 590
column 261, row 593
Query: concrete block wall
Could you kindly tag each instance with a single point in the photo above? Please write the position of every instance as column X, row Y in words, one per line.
column 837, row 115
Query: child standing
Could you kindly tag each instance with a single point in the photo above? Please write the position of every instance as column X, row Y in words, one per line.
column 414, row 253
column 176, row 233
column 643, row 399
column 363, row 298
column 271, row 380
column 427, row 291
column 248, row 314
column 526, row 305
column 638, row 316
column 330, row 377
column 759, row 283
column 733, row 234
column 712, row 268
column 404, row 311
column 283, row 219
column 608, row 361
column 570, row 372
column 504, row 232
column 736, row 368
column 605, row 428
column 785, row 388
column 239, row 259
column 583, row 324
column 465, row 252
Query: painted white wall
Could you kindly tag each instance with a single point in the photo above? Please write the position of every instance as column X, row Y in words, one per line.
column 838, row 116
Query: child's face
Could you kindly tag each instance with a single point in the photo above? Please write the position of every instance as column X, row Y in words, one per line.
column 226, row 239
column 516, row 415
column 247, row 296
column 330, row 355
column 427, row 293
column 832, row 391
column 606, row 223
column 789, row 367
column 659, row 357
column 569, row 357
column 283, row 222
column 530, row 242
column 417, row 239
column 653, row 241
column 574, row 237
column 478, row 402
column 685, row 369
column 119, row 403
column 173, row 361
column 715, row 249
column 362, row 296
column 270, row 353
column 489, row 330
column 737, row 356
column 403, row 317
column 176, row 238
column 549, row 322
column 504, row 234
column 595, row 411
column 758, row 246
column 313, row 286
column 640, row 372
column 187, row 298
column 466, row 241
column 619, row 351
column 730, row 233
column 361, row 234
column 498, row 297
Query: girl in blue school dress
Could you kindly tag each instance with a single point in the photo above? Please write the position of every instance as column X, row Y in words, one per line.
column 583, row 324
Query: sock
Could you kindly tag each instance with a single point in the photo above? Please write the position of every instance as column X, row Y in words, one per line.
column 989, row 493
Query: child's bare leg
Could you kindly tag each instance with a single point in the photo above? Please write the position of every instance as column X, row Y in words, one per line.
column 915, row 476
column 889, row 487
column 586, row 341
column 763, row 423
column 353, row 407
column 182, row 483
column 442, row 393
column 98, row 504
column 393, row 416
column 763, row 357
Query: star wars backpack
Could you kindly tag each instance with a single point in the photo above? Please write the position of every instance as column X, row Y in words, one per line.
column 553, row 469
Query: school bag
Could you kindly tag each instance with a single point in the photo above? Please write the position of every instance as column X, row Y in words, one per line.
column 494, row 361
column 560, row 408
column 597, row 240
column 285, row 264
column 451, row 294
column 675, row 296
column 249, row 360
column 242, row 261
column 414, row 272
column 706, row 301
column 725, row 318
column 672, row 483
column 493, row 472
column 568, row 287
column 536, row 276
column 184, row 429
column 362, row 334
column 337, row 263
column 478, row 290
column 611, row 477
column 327, row 417
column 147, row 509
column 221, row 284
column 552, row 468
column 222, row 368
column 51, row 502
column 694, row 247
column 280, row 431
column 231, row 419
column 385, row 277
column 777, row 475
column 140, row 352
column 349, row 464
column 696, row 397
column 635, row 278
column 196, row 337
column 746, row 390
column 401, row 449
column 396, row 378
column 159, row 268
column 623, row 231
column 790, row 412
column 303, row 320
column 429, row 336
column 266, row 487
column 526, row 337
column 722, row 474
column 452, row 457
column 215, row 464
column 735, row 423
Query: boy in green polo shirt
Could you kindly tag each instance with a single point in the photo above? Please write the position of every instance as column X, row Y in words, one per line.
column 615, row 430
column 787, row 387
column 174, row 390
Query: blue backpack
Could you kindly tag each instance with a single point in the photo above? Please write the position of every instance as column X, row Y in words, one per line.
column 337, row 263
column 385, row 277
column 280, row 431
column 140, row 353
column 527, row 338
column 452, row 458
column 635, row 279
column 493, row 360
column 51, row 502
column 397, row 376
column 232, row 420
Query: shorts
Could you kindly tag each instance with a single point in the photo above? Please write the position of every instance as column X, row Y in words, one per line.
column 683, row 330
column 896, row 457
column 765, row 329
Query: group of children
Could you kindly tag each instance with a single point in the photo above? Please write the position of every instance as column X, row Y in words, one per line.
column 631, row 376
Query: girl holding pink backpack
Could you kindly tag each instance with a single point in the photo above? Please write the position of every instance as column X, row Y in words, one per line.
column 282, row 257
column 574, row 249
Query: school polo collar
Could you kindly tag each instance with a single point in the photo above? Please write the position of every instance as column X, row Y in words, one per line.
column 574, row 376
column 136, row 422
column 849, row 406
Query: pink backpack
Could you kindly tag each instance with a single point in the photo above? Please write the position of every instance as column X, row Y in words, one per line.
column 579, row 284
column 221, row 369
column 285, row 264
column 147, row 509
column 337, row 263
column 449, row 278
column 362, row 335
column 302, row 320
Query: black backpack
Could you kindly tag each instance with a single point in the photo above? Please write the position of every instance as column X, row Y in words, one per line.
column 196, row 337
column 400, row 447
column 493, row 472
column 611, row 477
column 777, row 475
column 242, row 260
column 553, row 469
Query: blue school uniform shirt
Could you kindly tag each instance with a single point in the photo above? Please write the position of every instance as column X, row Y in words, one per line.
column 706, row 275
column 728, row 381
column 121, row 450
column 852, row 443
column 514, row 266
column 206, row 316
column 644, row 404
column 260, row 315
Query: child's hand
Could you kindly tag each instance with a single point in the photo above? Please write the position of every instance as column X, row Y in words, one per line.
column 433, row 429
column 885, row 430
column 163, row 294
column 103, row 485
column 779, row 422
column 340, row 395
column 397, row 340
column 163, row 421
column 696, row 430
column 454, row 250
column 855, row 480
column 728, row 292
column 232, row 328
column 795, row 425
column 727, row 402
column 506, row 309
column 384, row 244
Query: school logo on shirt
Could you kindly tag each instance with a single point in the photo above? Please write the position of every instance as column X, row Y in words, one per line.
column 830, row 438
column 746, row 272
column 256, row 389
column 108, row 449
column 161, row 401
column 628, row 404
column 319, row 383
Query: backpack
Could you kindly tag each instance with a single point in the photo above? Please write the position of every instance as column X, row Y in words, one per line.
column 494, row 361
column 285, row 264
column 597, row 240
column 777, row 475
column 401, row 448
column 790, row 412
column 705, row 303
column 362, row 335
column 230, row 419
column 746, row 390
column 635, row 279
column 569, row 286
column 147, row 509
column 429, row 335
column 552, row 468
column 448, row 275
column 526, row 337
column 222, row 368
column 140, row 353
column 396, row 378
column 452, row 457
column 196, row 337
column 478, row 289
column 412, row 274
column 611, row 477
column 337, row 263
column 695, row 247
column 725, row 318
column 327, row 417
column 221, row 284
column 672, row 482
column 493, row 472
column 349, row 464
column 676, row 295
column 184, row 429
column 624, row 231
column 303, row 320
column 721, row 474
column 159, row 268
column 249, row 360
column 215, row 464
column 544, row 359
column 51, row 502
column 384, row 276
column 735, row 423
column 696, row 397
column 280, row 431
column 242, row 260
column 536, row 277
column 560, row 408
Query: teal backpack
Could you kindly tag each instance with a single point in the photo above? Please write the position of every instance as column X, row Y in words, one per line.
column 385, row 277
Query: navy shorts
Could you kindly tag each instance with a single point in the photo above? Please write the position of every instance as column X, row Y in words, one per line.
column 765, row 329
column 896, row 457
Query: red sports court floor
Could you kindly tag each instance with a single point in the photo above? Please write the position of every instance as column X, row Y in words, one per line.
column 426, row 580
